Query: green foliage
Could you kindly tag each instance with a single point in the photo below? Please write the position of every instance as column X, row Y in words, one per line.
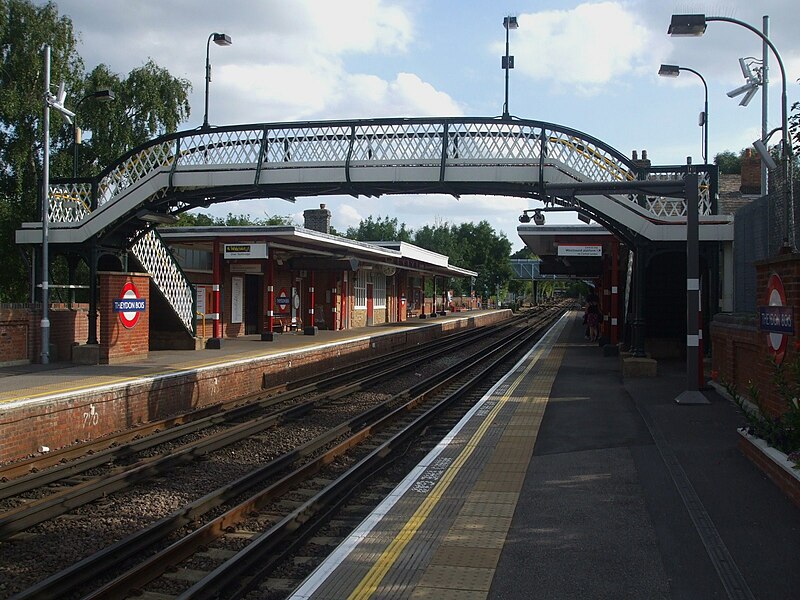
column 729, row 162
column 24, row 30
column 204, row 220
column 382, row 229
column 149, row 102
column 781, row 432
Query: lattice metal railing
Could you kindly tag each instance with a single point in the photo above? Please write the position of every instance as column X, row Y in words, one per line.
column 158, row 261
column 447, row 143
column 676, row 207
column 70, row 202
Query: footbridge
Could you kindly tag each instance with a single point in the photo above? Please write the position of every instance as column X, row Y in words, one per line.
column 510, row 157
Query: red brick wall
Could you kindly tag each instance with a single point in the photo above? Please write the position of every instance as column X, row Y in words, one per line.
column 740, row 351
column 117, row 342
column 20, row 332
column 89, row 415
column 15, row 326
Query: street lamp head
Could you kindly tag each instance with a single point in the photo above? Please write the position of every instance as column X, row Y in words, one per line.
column 104, row 95
column 222, row 39
column 669, row 70
column 510, row 22
column 687, row 25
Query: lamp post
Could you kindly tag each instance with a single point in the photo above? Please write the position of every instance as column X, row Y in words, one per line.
column 674, row 71
column 102, row 95
column 56, row 102
column 695, row 25
column 220, row 39
column 508, row 61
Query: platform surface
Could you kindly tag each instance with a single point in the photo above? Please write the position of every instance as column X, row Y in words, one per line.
column 568, row 482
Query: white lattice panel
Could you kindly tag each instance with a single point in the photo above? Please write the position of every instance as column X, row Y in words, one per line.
column 69, row 203
column 157, row 260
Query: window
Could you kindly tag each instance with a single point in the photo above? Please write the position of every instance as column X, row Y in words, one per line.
column 360, row 290
column 379, row 290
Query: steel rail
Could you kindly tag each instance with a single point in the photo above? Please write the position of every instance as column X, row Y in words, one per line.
column 32, row 473
column 32, row 513
column 131, row 546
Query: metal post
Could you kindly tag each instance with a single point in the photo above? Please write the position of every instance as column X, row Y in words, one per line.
column 45, row 323
column 507, row 66
column 764, row 101
column 208, row 80
column 692, row 395
column 637, row 323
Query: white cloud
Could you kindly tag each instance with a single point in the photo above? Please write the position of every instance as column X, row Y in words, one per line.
column 583, row 48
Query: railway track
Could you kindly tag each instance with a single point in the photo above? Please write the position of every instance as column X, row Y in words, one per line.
column 275, row 506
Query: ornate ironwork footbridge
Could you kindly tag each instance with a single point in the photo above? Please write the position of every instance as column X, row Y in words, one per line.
column 374, row 157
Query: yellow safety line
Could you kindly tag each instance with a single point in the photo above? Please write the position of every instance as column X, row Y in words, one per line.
column 369, row 584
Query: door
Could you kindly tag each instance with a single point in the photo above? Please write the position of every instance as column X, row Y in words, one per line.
column 252, row 303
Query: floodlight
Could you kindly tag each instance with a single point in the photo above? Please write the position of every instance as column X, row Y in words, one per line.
column 748, row 74
column 510, row 23
column 766, row 157
column 749, row 90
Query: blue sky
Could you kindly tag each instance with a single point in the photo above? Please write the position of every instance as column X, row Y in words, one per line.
column 591, row 66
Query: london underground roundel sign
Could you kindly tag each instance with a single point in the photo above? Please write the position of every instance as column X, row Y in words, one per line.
column 129, row 305
column 776, row 318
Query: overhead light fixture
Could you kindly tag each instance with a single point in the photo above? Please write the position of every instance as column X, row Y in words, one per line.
column 510, row 23
column 524, row 218
column 687, row 25
column 669, row 70
column 583, row 218
column 538, row 217
column 156, row 217
column 222, row 39
column 766, row 157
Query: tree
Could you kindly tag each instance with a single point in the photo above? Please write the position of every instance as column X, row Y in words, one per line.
column 729, row 162
column 24, row 30
column 382, row 229
column 204, row 220
column 149, row 102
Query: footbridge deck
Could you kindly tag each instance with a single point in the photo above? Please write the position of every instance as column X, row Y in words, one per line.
column 523, row 158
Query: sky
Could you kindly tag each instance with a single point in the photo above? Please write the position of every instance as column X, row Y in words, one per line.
column 591, row 66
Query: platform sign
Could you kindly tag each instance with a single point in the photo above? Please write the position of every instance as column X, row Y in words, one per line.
column 245, row 250
column 129, row 305
column 283, row 300
column 776, row 319
column 575, row 250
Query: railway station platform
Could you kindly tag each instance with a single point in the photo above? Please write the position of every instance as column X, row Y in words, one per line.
column 45, row 407
column 567, row 481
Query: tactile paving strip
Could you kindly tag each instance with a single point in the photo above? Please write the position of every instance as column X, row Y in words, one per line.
column 457, row 506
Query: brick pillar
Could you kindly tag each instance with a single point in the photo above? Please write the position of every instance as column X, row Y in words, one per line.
column 124, row 334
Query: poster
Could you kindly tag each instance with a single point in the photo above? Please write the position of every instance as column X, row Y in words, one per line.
column 237, row 299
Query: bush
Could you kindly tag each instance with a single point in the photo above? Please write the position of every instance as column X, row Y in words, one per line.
column 781, row 432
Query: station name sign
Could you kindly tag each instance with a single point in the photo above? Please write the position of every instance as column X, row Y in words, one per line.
column 571, row 250
column 776, row 319
column 245, row 250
